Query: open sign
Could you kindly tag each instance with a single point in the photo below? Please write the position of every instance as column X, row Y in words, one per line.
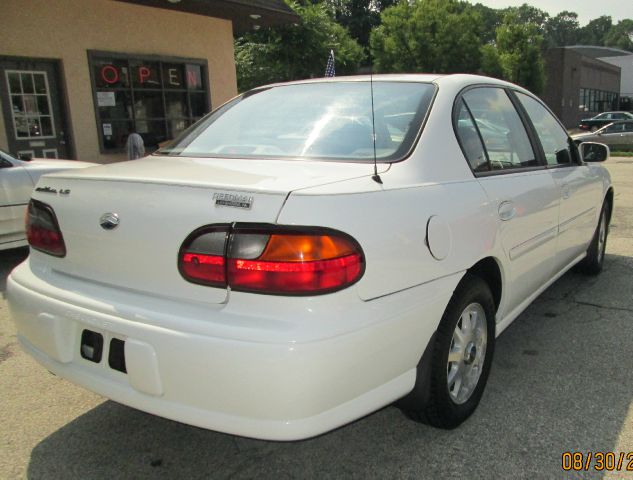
column 150, row 75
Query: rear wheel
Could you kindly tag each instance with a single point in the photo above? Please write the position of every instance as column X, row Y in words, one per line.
column 461, row 358
column 592, row 263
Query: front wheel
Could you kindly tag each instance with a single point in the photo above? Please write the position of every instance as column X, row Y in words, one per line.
column 461, row 359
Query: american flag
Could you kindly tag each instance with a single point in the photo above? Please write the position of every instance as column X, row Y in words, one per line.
column 329, row 69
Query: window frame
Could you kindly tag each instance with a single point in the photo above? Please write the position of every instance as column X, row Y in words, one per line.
column 527, row 125
column 95, row 55
column 576, row 160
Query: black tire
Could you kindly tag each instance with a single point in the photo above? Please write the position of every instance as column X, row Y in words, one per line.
column 593, row 129
column 435, row 403
column 592, row 263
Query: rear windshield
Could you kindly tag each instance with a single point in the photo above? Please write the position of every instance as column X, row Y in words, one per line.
column 329, row 120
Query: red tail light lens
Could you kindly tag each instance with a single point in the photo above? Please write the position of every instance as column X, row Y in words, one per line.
column 278, row 260
column 42, row 229
column 201, row 258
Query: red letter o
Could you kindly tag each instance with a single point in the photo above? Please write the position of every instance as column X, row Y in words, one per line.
column 109, row 74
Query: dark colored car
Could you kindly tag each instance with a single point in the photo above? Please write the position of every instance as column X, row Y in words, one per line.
column 617, row 135
column 603, row 119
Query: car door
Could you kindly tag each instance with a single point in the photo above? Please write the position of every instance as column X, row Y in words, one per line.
column 523, row 194
column 579, row 190
column 14, row 196
column 627, row 137
column 617, row 135
column 611, row 135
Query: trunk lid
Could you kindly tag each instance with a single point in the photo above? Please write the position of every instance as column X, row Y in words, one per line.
column 159, row 202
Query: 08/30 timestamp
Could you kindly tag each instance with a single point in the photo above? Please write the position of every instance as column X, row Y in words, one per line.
column 599, row 461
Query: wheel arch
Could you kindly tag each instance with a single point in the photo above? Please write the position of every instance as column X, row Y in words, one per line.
column 489, row 271
column 609, row 198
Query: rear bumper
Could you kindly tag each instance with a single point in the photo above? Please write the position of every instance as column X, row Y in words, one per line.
column 306, row 382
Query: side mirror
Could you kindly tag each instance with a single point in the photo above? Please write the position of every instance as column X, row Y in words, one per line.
column 594, row 152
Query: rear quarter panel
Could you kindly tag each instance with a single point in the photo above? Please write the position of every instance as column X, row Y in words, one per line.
column 391, row 227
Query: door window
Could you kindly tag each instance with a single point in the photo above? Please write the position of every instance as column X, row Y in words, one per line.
column 506, row 143
column 614, row 128
column 553, row 137
column 30, row 104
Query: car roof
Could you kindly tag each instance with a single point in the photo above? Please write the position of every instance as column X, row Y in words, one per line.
column 617, row 122
column 439, row 79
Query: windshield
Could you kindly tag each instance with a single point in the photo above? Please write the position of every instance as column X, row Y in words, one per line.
column 329, row 120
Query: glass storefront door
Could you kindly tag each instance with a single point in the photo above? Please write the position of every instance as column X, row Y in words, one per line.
column 33, row 112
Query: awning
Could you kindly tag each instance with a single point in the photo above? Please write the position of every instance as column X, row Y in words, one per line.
column 245, row 14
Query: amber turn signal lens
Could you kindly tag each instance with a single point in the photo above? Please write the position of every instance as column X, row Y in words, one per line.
column 305, row 248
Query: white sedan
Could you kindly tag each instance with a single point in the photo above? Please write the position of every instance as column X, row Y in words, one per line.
column 311, row 252
column 17, row 179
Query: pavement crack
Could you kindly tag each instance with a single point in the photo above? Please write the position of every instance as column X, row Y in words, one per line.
column 603, row 307
column 6, row 352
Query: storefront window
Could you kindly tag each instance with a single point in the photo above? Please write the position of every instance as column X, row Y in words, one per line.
column 593, row 100
column 157, row 99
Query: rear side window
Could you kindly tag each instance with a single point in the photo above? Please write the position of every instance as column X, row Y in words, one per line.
column 470, row 140
column 505, row 140
column 553, row 137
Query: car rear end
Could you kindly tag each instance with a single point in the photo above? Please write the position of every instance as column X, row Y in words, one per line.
column 168, row 284
column 201, row 312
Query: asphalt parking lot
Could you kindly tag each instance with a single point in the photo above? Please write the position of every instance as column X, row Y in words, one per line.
column 561, row 381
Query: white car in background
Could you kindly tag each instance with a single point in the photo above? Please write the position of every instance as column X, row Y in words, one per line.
column 17, row 179
column 311, row 252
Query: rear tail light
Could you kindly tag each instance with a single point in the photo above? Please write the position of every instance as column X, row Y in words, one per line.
column 272, row 259
column 42, row 229
column 202, row 256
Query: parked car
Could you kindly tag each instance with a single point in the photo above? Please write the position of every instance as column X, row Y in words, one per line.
column 311, row 252
column 617, row 135
column 18, row 178
column 603, row 119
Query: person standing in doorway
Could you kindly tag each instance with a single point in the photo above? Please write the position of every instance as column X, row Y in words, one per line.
column 134, row 145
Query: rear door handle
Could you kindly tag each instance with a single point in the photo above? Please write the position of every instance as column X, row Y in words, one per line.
column 507, row 211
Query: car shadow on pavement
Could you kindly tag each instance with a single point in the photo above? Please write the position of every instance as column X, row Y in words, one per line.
column 9, row 259
column 560, row 382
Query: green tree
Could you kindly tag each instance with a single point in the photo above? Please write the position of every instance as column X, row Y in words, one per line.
column 490, row 61
column 529, row 14
column 491, row 18
column 359, row 17
column 562, row 30
column 519, row 50
column 428, row 36
column 621, row 35
column 295, row 51
column 595, row 32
